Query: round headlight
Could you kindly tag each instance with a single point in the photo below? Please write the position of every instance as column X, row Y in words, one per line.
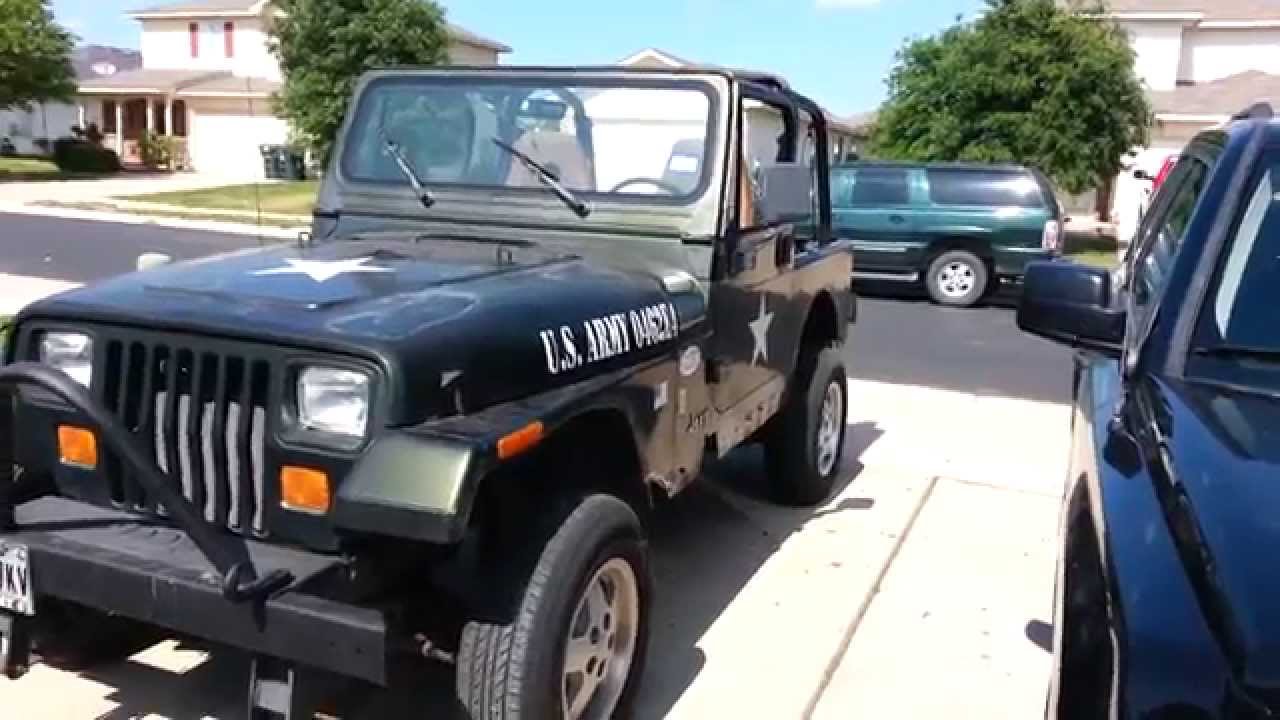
column 70, row 352
column 333, row 401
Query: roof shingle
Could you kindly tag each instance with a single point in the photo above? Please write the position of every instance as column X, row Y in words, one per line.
column 1211, row 9
column 1220, row 97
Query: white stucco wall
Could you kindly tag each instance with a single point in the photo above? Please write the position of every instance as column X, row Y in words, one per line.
column 22, row 127
column 166, row 44
column 1215, row 54
column 461, row 54
column 1158, row 46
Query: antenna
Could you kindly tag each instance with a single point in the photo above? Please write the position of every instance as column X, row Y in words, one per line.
column 257, row 191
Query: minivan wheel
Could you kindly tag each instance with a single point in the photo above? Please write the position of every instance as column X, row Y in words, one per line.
column 958, row 278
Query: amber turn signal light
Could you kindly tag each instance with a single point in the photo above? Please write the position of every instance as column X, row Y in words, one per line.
column 513, row 444
column 77, row 447
column 304, row 489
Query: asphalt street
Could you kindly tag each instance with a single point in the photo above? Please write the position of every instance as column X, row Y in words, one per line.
column 898, row 338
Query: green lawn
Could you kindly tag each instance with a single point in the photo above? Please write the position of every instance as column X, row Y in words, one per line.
column 26, row 168
column 1091, row 249
column 294, row 198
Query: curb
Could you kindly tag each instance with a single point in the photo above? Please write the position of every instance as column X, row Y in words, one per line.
column 229, row 228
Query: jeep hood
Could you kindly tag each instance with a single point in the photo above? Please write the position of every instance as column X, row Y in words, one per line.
column 462, row 322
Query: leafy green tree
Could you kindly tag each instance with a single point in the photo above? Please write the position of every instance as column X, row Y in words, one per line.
column 35, row 55
column 324, row 46
column 1030, row 81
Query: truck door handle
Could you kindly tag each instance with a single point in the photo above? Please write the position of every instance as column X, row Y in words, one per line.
column 897, row 219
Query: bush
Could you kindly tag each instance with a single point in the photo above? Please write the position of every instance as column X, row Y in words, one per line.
column 156, row 150
column 42, row 144
column 75, row 155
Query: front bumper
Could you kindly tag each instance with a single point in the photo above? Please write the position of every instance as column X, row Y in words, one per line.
column 139, row 568
column 179, row 572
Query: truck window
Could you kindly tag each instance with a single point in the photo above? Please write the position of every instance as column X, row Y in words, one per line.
column 1163, row 231
column 880, row 186
column 983, row 188
column 1242, row 307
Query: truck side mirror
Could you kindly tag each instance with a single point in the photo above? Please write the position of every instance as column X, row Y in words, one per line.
column 1071, row 304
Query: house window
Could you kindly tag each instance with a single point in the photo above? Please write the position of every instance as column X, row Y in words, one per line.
column 193, row 32
column 180, row 118
column 229, row 38
column 109, row 116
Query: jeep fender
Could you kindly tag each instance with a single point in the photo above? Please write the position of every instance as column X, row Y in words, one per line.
column 421, row 482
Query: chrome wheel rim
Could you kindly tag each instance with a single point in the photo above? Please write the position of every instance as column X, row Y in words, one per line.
column 601, row 643
column 957, row 279
column 830, row 428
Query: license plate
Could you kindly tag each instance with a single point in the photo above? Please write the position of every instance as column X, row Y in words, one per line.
column 16, row 592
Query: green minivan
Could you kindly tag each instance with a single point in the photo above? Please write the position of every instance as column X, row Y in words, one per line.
column 960, row 229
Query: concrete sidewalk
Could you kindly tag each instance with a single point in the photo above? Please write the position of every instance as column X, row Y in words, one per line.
column 18, row 291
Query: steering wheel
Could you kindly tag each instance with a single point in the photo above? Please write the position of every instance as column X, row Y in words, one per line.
column 660, row 184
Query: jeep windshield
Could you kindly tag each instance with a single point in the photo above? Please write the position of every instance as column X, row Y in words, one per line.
column 601, row 139
column 1238, row 339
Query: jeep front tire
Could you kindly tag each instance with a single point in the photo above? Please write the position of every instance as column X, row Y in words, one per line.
column 570, row 642
column 805, row 441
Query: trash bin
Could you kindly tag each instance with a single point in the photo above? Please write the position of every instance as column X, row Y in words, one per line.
column 297, row 166
column 271, row 169
column 279, row 162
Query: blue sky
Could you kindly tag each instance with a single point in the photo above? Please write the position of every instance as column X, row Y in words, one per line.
column 837, row 51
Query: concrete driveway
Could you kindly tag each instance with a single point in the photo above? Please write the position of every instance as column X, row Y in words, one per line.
column 922, row 589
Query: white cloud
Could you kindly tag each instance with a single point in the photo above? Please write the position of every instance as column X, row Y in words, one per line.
column 845, row 4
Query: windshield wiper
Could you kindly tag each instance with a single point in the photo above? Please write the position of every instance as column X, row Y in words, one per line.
column 547, row 178
column 1253, row 352
column 424, row 195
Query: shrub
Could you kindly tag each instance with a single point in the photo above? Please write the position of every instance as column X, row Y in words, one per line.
column 75, row 155
column 156, row 150
column 42, row 144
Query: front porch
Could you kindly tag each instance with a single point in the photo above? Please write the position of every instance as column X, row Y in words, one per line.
column 123, row 120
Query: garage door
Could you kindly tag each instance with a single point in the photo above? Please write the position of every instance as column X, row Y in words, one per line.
column 227, row 143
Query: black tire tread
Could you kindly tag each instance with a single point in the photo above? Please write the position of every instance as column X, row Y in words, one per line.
column 492, row 657
column 968, row 256
column 792, row 478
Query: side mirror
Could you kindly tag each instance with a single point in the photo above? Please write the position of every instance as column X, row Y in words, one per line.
column 1071, row 304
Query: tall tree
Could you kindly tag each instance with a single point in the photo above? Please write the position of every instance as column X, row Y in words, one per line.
column 1030, row 81
column 35, row 55
column 324, row 46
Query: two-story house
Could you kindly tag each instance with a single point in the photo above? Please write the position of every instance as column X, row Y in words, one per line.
column 207, row 78
column 1201, row 61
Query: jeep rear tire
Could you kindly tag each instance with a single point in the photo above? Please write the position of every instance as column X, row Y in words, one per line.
column 806, row 440
column 958, row 278
column 569, row 639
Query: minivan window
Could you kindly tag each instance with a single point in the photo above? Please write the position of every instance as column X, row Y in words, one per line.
column 880, row 186
column 983, row 188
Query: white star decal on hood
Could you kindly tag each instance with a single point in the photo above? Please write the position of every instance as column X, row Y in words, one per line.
column 321, row 271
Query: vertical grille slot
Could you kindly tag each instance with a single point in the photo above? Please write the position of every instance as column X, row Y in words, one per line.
column 202, row 416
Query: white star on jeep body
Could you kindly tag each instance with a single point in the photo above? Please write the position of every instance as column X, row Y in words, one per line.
column 760, row 332
column 321, row 271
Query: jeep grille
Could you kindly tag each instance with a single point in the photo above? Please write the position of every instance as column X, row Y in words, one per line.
column 202, row 413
